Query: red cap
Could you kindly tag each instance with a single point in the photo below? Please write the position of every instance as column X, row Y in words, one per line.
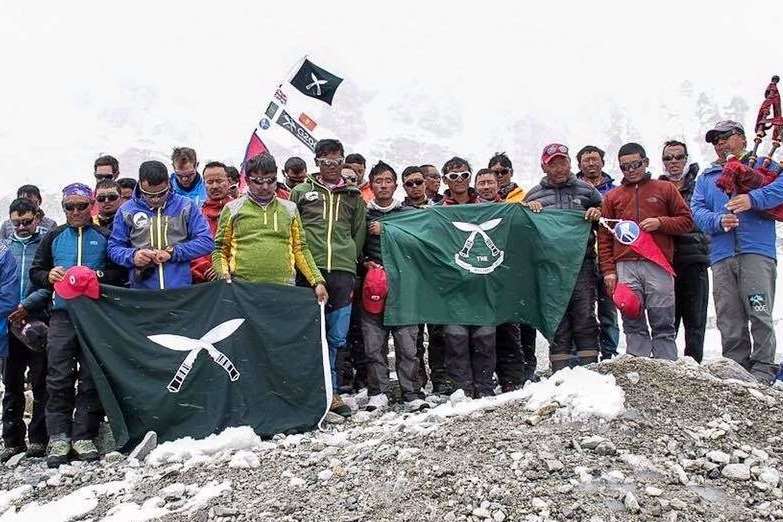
column 627, row 301
column 78, row 280
column 552, row 151
column 376, row 287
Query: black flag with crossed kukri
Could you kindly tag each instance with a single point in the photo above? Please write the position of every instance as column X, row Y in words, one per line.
column 316, row 82
column 194, row 361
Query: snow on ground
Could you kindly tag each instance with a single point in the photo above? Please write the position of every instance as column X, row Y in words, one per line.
column 194, row 451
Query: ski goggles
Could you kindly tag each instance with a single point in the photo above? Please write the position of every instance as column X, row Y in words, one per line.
column 261, row 181
column 455, row 176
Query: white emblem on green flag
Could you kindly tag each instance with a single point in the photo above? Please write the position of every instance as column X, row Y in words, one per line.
column 463, row 256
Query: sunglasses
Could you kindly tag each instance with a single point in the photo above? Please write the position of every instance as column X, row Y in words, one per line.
column 107, row 197
column 502, row 171
column 326, row 162
column 350, row 178
column 104, row 177
column 454, row 176
column 675, row 157
column 22, row 222
column 633, row 165
column 72, row 207
column 261, row 181
column 725, row 135
column 414, row 183
column 185, row 173
column 154, row 195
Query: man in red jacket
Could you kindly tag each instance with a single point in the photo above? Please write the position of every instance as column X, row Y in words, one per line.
column 657, row 207
column 215, row 177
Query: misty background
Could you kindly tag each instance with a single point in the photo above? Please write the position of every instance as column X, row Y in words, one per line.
column 423, row 81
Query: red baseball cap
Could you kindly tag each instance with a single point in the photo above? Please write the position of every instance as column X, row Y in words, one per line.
column 375, row 289
column 78, row 280
column 552, row 151
column 627, row 301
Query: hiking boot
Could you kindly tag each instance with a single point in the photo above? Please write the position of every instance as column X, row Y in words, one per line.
column 417, row 405
column 36, row 450
column 507, row 387
column 85, row 450
column 339, row 407
column 377, row 402
column 10, row 451
column 59, row 449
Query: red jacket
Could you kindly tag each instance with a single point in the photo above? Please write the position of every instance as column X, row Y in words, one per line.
column 448, row 200
column 649, row 198
column 211, row 211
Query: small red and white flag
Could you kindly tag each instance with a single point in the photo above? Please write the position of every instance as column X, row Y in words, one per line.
column 641, row 242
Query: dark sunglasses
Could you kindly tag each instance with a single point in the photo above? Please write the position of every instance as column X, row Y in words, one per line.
column 724, row 136
column 414, row 183
column 454, row 176
column 352, row 179
column 71, row 207
column 185, row 173
column 675, row 157
column 107, row 197
column 104, row 177
column 154, row 195
column 502, row 171
column 22, row 222
column 261, row 181
column 633, row 165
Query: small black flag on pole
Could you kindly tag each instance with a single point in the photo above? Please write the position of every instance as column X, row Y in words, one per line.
column 316, row 82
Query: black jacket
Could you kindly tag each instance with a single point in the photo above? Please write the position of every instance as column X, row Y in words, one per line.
column 693, row 247
column 574, row 194
column 372, row 245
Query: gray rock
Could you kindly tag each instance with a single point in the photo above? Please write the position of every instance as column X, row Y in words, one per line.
column 554, row 465
column 145, row 447
column 631, row 504
column 724, row 368
column 606, row 448
column 653, row 491
column 592, row 441
column 769, row 476
column 736, row 472
column 719, row 457
column 14, row 461
column 333, row 418
column 633, row 377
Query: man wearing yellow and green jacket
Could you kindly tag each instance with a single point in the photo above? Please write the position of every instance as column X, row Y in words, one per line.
column 333, row 215
column 260, row 236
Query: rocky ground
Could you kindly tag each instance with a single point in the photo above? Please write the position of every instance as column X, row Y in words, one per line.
column 693, row 443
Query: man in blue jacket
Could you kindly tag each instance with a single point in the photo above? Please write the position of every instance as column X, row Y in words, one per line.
column 8, row 295
column 157, row 234
column 186, row 181
column 21, row 360
column 72, row 420
column 742, row 255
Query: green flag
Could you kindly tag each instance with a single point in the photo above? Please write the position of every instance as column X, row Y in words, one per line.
column 482, row 264
column 193, row 361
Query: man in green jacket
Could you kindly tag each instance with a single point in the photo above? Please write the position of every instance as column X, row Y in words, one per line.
column 333, row 215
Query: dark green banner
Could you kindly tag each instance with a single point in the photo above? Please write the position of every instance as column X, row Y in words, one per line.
column 193, row 361
column 482, row 265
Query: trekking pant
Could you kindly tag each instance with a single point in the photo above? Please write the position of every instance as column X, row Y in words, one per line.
column 470, row 358
column 510, row 365
column 338, row 318
column 691, row 297
column 609, row 331
column 527, row 337
column 655, row 286
column 64, row 353
column 20, row 358
column 421, row 352
column 578, row 328
column 354, row 367
column 745, row 291
column 407, row 365
column 436, row 357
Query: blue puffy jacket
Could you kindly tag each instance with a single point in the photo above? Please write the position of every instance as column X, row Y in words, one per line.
column 68, row 246
column 33, row 299
column 8, row 296
column 178, row 224
column 197, row 192
column 755, row 233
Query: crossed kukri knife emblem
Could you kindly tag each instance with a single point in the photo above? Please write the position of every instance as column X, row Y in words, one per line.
column 474, row 230
column 195, row 346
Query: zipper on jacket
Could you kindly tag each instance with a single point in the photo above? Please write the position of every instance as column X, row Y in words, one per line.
column 329, row 222
column 160, row 247
column 79, row 248
column 274, row 219
column 22, row 276
column 638, row 215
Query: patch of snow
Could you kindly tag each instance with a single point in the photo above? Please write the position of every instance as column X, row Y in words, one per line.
column 210, row 491
column 152, row 508
column 185, row 449
column 244, row 459
column 582, row 393
column 9, row 497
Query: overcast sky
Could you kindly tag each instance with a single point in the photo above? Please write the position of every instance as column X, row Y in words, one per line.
column 84, row 78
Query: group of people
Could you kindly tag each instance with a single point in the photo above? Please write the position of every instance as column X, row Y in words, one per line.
column 322, row 230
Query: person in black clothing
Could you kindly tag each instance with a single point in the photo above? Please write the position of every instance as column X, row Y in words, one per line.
column 108, row 200
column 691, row 256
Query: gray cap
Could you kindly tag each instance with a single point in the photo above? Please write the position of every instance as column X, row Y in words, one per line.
column 721, row 127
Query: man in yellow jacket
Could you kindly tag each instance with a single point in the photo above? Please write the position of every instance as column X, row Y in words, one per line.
column 508, row 191
column 260, row 236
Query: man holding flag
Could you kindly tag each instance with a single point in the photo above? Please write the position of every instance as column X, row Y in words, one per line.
column 646, row 213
